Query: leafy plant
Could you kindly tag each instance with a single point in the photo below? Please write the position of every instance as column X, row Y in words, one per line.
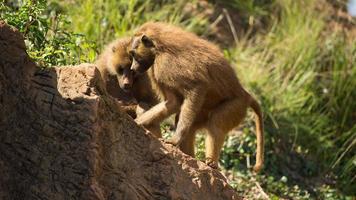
column 47, row 41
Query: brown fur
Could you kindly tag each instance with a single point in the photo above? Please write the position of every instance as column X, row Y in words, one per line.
column 114, row 66
column 191, row 75
column 107, row 65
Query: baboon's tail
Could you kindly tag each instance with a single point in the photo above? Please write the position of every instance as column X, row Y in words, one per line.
column 259, row 135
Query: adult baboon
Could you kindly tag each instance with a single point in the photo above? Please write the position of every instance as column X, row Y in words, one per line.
column 191, row 75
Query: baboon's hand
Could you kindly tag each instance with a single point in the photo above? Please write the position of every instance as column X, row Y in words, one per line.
column 173, row 140
column 139, row 121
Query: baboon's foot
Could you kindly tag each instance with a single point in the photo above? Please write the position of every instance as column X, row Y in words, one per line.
column 211, row 163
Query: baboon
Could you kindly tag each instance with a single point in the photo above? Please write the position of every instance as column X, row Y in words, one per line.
column 134, row 92
column 192, row 76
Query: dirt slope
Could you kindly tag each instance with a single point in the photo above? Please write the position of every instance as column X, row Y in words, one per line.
column 62, row 137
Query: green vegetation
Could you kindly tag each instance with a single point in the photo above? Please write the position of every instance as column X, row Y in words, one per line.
column 288, row 55
column 48, row 37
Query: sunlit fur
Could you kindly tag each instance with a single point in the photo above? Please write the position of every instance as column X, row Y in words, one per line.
column 191, row 75
column 114, row 58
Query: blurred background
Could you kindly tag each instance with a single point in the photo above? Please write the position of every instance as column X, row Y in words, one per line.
column 298, row 58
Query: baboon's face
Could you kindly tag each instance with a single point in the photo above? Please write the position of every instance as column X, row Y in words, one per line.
column 120, row 65
column 142, row 52
column 125, row 78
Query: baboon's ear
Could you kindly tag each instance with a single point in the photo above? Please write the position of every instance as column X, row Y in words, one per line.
column 113, row 49
column 147, row 41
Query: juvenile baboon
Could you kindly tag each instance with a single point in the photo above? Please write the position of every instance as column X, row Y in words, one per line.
column 134, row 92
column 191, row 75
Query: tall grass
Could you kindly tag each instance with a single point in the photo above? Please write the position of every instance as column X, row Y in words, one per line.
column 306, row 81
column 102, row 21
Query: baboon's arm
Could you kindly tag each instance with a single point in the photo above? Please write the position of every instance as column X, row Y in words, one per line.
column 159, row 112
column 190, row 108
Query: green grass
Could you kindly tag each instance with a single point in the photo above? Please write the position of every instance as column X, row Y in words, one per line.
column 306, row 82
column 102, row 21
column 303, row 74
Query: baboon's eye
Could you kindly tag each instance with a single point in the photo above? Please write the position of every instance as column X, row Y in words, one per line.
column 120, row 71
column 132, row 53
column 147, row 41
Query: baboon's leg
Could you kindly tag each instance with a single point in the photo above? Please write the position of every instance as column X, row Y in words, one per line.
column 188, row 113
column 159, row 112
column 187, row 144
column 214, row 141
column 221, row 121
column 176, row 119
